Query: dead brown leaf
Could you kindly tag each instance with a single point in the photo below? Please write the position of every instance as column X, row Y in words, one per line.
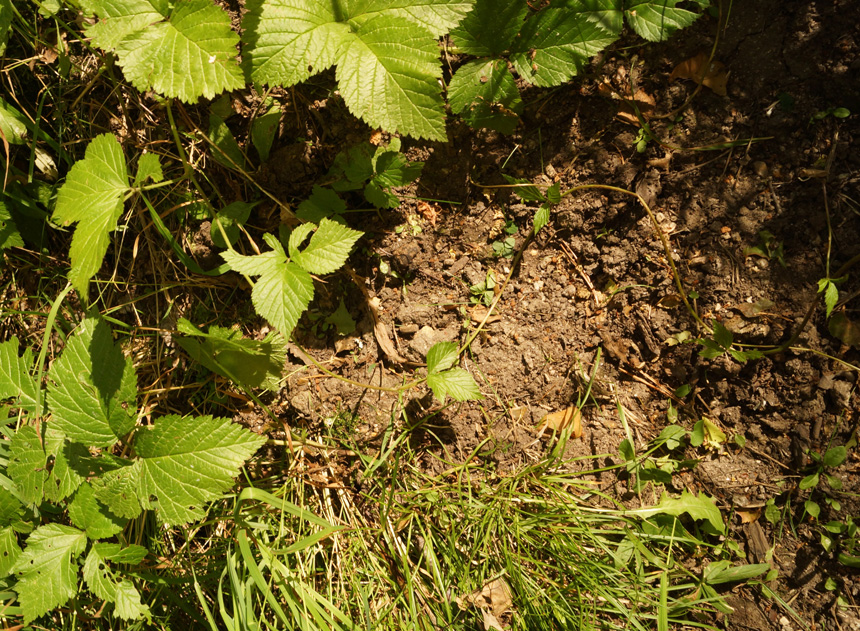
column 494, row 600
column 713, row 76
column 749, row 515
column 561, row 419
column 755, row 309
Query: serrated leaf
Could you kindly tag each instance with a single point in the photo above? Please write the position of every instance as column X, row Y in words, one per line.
column 251, row 363
column 455, row 382
column 287, row 41
column 541, row 217
column 148, row 168
column 11, row 508
column 388, row 75
column 283, row 291
column 92, row 196
column 699, row 507
column 656, row 20
column 436, row 16
column 555, row 45
column 441, row 356
column 298, row 236
column 484, row 93
column 831, row 297
column 15, row 380
column 102, row 582
column 230, row 218
column 186, row 462
column 184, row 52
column 352, row 168
column 341, row 320
column 323, row 202
column 92, row 388
column 27, row 464
column 117, row 488
column 89, row 514
column 379, row 197
column 10, row 237
column 9, row 550
column 63, row 479
column 527, row 191
column 607, row 14
column 127, row 604
column 47, row 576
column 13, row 124
column 490, row 28
column 391, row 168
column 722, row 335
column 329, row 248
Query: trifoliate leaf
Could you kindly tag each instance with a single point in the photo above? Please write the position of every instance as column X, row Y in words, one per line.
column 186, row 51
column 555, row 45
column 456, row 382
column 490, row 28
column 441, row 356
column 27, row 464
column 352, row 168
column 47, row 576
column 89, row 514
column 148, row 168
column 283, row 291
column 15, row 380
column 323, row 202
column 607, row 14
column 230, row 218
column 9, row 550
column 436, row 16
column 185, row 462
column 329, row 248
column 13, row 124
column 485, row 94
column 251, row 363
column 388, row 73
column 92, row 388
column 92, row 196
column 656, row 20
column 287, row 41
column 10, row 237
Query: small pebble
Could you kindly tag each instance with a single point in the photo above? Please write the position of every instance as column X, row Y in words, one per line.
column 760, row 168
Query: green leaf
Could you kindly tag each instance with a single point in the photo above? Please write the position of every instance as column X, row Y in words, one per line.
column 89, row 514
column 9, row 550
column 148, row 168
column 230, row 217
column 656, row 20
column 63, row 479
column 264, row 130
column 555, row 45
column 184, row 52
column 722, row 335
column 186, row 462
column 541, row 217
column 436, row 16
column 720, row 572
column 102, row 582
column 490, row 28
column 92, row 196
column 711, row 348
column 248, row 362
column 379, row 197
column 226, row 151
column 485, row 94
column 329, row 248
column 11, row 509
column 812, row 508
column 835, row 456
column 607, row 14
column 92, row 388
column 831, row 297
column 323, row 202
column 15, row 380
column 441, row 356
column 528, row 193
column 391, row 168
column 809, row 482
column 47, row 576
column 388, row 74
column 28, row 464
column 287, row 41
column 10, row 237
column 117, row 488
column 13, row 124
column 699, row 507
column 844, row 329
column 341, row 320
column 284, row 289
column 6, row 15
column 456, row 382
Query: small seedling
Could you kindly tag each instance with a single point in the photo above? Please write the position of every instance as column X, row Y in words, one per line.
column 484, row 292
column 721, row 343
column 768, row 248
column 835, row 112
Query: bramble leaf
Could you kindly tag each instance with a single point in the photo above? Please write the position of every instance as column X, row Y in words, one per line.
column 27, row 464
column 555, row 45
column 329, row 248
column 13, row 124
column 16, row 383
column 490, row 28
column 89, row 514
column 92, row 196
column 47, row 577
column 116, row 487
column 607, row 14
column 656, row 20
column 484, row 93
column 441, row 356
column 9, row 549
column 63, row 479
column 436, row 16
column 185, row 462
column 103, row 583
column 186, row 51
column 10, row 237
column 92, row 388
column 456, row 382
column 541, row 217
column 387, row 71
column 323, row 202
column 148, row 168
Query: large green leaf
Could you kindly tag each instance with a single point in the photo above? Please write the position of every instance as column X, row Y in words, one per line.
column 47, row 576
column 186, row 51
column 555, row 45
column 490, row 28
column 656, row 20
column 92, row 196
column 696, row 506
column 92, row 388
column 117, row 487
column 89, row 514
column 608, row 14
column 485, row 94
column 16, row 383
column 455, row 382
column 9, row 550
column 186, row 462
column 436, row 16
column 283, row 291
column 388, row 73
